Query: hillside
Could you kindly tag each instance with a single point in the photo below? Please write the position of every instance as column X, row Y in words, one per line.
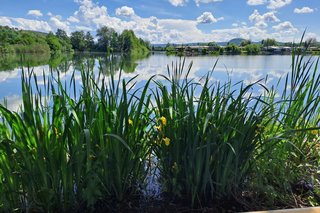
column 13, row 40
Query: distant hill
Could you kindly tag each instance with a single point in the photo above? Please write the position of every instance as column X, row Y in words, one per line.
column 236, row 41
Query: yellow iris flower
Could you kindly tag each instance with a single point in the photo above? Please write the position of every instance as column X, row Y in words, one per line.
column 163, row 120
column 166, row 141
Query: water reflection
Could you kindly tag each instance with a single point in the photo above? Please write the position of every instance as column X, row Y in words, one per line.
column 239, row 68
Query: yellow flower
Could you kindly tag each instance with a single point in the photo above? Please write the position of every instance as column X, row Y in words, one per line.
column 166, row 141
column 130, row 122
column 314, row 132
column 159, row 128
column 163, row 120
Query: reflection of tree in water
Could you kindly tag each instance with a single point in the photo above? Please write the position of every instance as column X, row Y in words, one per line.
column 9, row 62
column 108, row 63
column 115, row 63
column 62, row 62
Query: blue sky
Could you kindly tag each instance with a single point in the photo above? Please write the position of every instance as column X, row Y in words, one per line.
column 178, row 21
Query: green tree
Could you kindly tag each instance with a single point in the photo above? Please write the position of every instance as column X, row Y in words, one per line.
column 170, row 49
column 245, row 43
column 253, row 48
column 107, row 39
column 212, row 44
column 131, row 44
column 269, row 42
column 53, row 42
column 78, row 40
column 64, row 40
column 89, row 41
column 232, row 49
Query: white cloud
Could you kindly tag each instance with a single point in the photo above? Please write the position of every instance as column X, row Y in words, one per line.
column 303, row 10
column 89, row 11
column 207, row 18
column 267, row 17
column 276, row 4
column 198, row 2
column 251, row 33
column 5, row 21
column 36, row 13
column 285, row 27
column 256, row 2
column 29, row 24
column 14, row 103
column 91, row 16
column 262, row 20
column 73, row 19
column 261, row 24
column 57, row 23
column 177, row 3
column 124, row 11
column 83, row 28
column 312, row 35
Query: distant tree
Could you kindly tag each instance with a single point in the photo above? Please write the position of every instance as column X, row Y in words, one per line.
column 170, row 48
column 107, row 38
column 89, row 41
column 233, row 49
column 61, row 34
column 253, row 48
column 212, row 44
column 245, row 43
column 64, row 40
column 269, row 42
column 53, row 42
column 78, row 40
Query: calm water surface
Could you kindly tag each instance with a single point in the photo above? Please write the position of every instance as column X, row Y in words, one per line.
column 238, row 68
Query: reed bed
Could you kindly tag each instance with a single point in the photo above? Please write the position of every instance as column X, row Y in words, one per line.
column 213, row 143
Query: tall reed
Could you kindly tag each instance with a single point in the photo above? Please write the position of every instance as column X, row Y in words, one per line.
column 66, row 150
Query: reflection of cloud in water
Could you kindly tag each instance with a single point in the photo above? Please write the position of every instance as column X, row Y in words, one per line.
column 13, row 102
column 239, row 68
column 4, row 76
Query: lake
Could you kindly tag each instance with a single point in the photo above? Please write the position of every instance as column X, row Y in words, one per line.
column 237, row 67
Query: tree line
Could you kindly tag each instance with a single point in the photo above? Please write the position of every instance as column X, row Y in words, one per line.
column 13, row 40
column 245, row 46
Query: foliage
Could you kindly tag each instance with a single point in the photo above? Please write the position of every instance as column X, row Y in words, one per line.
column 53, row 42
column 213, row 136
column 20, row 41
column 213, row 142
column 64, row 40
column 78, row 40
column 126, row 42
column 294, row 128
column 75, row 151
column 108, row 40
column 170, row 49
column 131, row 44
column 232, row 49
column 245, row 43
column 269, row 42
column 212, row 44
column 253, row 49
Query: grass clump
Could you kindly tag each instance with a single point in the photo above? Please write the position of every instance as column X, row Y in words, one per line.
column 215, row 144
column 66, row 151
